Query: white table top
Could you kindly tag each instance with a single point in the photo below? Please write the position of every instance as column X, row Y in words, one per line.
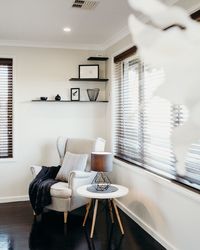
column 122, row 191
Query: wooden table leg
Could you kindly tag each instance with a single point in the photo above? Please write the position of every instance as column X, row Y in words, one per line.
column 110, row 210
column 65, row 217
column 87, row 212
column 118, row 217
column 94, row 218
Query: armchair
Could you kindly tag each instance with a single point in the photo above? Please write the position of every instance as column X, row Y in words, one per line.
column 64, row 195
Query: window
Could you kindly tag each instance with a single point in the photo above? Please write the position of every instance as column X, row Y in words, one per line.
column 6, row 108
column 143, row 122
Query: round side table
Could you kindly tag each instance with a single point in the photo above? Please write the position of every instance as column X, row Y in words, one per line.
column 110, row 196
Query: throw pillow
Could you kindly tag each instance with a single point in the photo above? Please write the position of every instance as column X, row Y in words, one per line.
column 71, row 162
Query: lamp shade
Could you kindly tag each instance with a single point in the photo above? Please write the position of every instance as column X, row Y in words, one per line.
column 101, row 161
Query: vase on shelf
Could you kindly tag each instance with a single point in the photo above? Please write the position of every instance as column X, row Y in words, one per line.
column 93, row 94
column 57, row 98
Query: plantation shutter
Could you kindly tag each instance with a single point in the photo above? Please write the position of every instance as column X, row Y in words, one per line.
column 6, row 108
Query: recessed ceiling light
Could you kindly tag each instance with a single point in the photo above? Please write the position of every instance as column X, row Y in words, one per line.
column 67, row 29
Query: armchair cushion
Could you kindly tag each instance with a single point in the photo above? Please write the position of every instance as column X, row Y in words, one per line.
column 71, row 162
column 61, row 190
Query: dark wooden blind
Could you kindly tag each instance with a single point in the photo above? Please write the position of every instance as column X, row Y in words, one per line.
column 144, row 123
column 142, row 131
column 196, row 15
column 129, row 52
column 6, row 108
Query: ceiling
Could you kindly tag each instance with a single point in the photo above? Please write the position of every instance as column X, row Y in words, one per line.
column 41, row 22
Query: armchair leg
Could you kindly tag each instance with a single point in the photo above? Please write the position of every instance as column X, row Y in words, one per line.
column 65, row 217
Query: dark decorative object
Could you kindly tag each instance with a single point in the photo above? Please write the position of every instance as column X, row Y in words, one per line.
column 101, row 162
column 90, row 71
column 57, row 98
column 43, row 98
column 93, row 94
column 75, row 94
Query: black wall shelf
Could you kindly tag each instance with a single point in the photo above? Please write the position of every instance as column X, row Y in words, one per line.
column 95, row 58
column 89, row 79
column 65, row 101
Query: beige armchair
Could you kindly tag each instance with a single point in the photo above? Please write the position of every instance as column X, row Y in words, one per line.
column 64, row 195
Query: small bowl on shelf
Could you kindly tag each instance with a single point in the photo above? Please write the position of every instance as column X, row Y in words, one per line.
column 43, row 98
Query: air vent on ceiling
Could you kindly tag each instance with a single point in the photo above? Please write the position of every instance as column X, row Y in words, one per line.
column 87, row 5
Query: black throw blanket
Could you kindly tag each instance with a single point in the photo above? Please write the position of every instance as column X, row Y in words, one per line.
column 39, row 189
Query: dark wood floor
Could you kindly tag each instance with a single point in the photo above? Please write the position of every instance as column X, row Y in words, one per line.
column 19, row 231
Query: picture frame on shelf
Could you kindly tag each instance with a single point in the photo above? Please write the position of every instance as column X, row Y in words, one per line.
column 89, row 71
column 75, row 94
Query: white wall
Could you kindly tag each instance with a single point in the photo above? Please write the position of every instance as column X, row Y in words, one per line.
column 45, row 72
column 169, row 212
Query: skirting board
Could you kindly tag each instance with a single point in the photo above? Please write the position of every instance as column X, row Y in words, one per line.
column 14, row 198
column 146, row 227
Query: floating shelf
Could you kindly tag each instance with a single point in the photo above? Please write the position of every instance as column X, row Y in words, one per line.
column 65, row 101
column 95, row 58
column 89, row 79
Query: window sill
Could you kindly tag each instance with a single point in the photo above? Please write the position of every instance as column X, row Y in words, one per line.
column 7, row 160
column 170, row 184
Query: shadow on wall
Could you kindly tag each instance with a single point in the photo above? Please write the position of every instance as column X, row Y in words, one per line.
column 142, row 200
column 137, row 201
column 142, row 212
column 149, row 213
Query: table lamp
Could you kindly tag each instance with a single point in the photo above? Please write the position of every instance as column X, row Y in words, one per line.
column 101, row 162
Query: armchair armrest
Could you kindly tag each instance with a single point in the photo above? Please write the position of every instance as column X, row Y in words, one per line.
column 35, row 170
column 75, row 180
column 80, row 174
column 80, row 178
